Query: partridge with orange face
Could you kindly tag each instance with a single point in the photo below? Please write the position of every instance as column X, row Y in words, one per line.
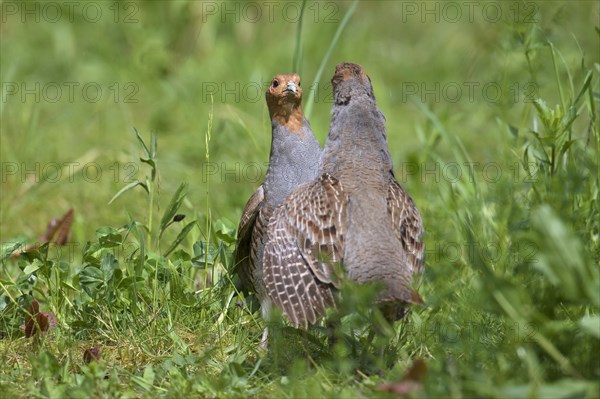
column 294, row 159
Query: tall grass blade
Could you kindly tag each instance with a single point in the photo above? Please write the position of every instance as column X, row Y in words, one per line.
column 338, row 33
column 557, row 76
column 172, row 208
column 144, row 146
column 180, row 237
column 298, row 52
column 127, row 188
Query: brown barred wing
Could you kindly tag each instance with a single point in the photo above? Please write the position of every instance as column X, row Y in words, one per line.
column 407, row 224
column 305, row 239
column 242, row 265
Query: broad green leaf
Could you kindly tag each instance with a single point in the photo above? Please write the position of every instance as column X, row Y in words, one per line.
column 108, row 266
column 105, row 230
column 180, row 256
column 33, row 267
column 225, row 230
column 204, row 256
column 91, row 279
column 110, row 240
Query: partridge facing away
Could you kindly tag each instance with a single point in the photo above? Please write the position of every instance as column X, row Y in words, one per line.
column 354, row 213
column 294, row 159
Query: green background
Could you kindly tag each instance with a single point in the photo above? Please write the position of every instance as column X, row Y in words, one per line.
column 511, row 277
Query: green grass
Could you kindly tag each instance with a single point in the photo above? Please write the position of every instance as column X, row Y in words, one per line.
column 506, row 177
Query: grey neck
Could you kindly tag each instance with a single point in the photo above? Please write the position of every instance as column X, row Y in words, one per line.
column 294, row 160
column 357, row 128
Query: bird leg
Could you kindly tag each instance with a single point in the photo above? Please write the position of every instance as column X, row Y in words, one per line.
column 263, row 340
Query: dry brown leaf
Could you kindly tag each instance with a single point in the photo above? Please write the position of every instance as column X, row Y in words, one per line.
column 57, row 232
column 410, row 383
column 36, row 321
column 91, row 354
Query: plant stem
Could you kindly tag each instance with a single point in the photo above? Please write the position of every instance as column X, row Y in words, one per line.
column 150, row 209
column 207, row 157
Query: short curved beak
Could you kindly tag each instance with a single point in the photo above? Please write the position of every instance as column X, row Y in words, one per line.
column 291, row 86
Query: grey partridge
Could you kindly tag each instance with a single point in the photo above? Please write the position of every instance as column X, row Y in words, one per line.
column 294, row 159
column 355, row 214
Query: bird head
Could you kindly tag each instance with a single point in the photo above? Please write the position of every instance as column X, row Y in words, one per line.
column 350, row 79
column 284, row 91
column 284, row 100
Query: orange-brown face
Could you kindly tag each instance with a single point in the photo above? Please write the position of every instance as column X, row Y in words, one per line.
column 284, row 89
column 284, row 100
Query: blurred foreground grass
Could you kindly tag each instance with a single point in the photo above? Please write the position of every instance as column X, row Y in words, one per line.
column 493, row 125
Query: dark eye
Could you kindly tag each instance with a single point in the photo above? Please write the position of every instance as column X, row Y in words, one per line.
column 298, row 83
column 275, row 83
